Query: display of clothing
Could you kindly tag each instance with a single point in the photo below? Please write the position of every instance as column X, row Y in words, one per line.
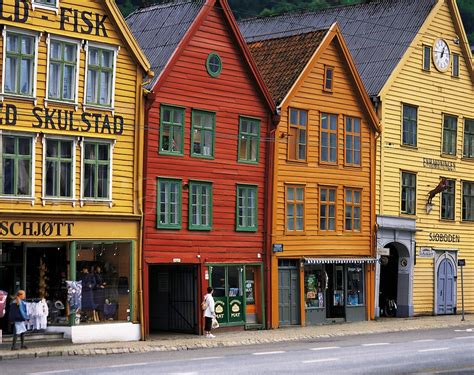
column 99, row 291
column 88, row 286
column 38, row 313
column 74, row 296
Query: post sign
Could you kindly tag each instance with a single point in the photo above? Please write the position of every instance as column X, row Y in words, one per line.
column 384, row 251
column 461, row 262
column 220, row 308
column 277, row 247
column 229, row 309
column 426, row 252
column 235, row 309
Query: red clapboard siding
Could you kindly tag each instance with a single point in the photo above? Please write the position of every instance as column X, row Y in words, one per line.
column 234, row 93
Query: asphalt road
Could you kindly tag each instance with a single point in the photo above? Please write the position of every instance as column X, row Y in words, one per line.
column 441, row 351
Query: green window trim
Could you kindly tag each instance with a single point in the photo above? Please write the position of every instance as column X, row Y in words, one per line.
column 410, row 125
column 468, row 142
column 166, row 183
column 448, row 201
column 100, row 69
column 455, row 72
column 450, row 129
column 408, row 193
column 247, row 203
column 14, row 186
column 174, row 123
column 96, row 163
column 201, row 207
column 468, row 201
column 63, row 63
column 58, row 162
column 249, row 135
column 203, row 134
column 214, row 65
column 426, row 58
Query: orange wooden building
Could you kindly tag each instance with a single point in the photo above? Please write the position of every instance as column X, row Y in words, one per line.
column 324, row 180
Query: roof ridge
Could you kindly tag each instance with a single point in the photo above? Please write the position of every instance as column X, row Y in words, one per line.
column 163, row 5
column 325, row 29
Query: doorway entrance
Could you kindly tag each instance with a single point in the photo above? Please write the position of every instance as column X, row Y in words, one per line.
column 446, row 287
column 288, row 292
column 335, row 292
column 173, row 298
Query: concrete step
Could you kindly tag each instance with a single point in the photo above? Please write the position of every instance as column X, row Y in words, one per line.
column 38, row 337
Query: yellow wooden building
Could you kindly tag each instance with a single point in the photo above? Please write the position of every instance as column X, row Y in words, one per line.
column 323, row 222
column 71, row 135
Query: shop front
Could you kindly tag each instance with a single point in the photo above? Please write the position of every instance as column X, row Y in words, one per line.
column 78, row 274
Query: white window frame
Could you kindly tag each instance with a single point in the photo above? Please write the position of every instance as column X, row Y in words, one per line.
column 37, row 36
column 83, row 199
column 54, row 8
column 44, row 197
column 34, row 139
column 115, row 50
column 78, row 43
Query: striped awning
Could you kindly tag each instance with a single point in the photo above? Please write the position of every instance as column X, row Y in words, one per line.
column 339, row 260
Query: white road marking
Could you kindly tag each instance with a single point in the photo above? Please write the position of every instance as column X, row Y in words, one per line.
column 130, row 365
column 464, row 330
column 204, row 358
column 48, row 372
column 464, row 337
column 376, row 344
column 426, row 340
column 432, row 350
column 326, row 348
column 321, row 360
column 269, row 353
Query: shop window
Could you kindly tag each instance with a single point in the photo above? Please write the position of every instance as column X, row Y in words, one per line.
column 62, row 71
column 408, row 198
column 96, row 170
column 450, row 135
column 426, row 58
column 172, row 130
column 352, row 144
column 169, row 203
column 328, row 78
column 315, row 285
column 410, row 119
column 297, row 141
column 202, row 134
column 19, row 62
column 246, row 208
column 200, row 205
column 327, row 209
column 448, row 201
column 468, row 138
column 59, row 168
column 16, row 170
column 104, row 269
column 328, row 138
column 455, row 65
column 249, row 140
column 468, row 201
column 295, row 209
column 355, row 285
column 352, row 210
column 100, row 76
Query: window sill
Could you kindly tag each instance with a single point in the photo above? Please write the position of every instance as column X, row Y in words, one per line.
column 409, row 147
column 468, row 159
column 72, row 201
column 245, row 230
column 202, row 157
column 19, row 97
column 167, row 153
column 295, row 233
column 448, row 156
column 328, row 164
column 61, row 102
column 97, row 202
column 87, row 107
column 297, row 162
column 250, row 162
column 17, row 198
column 169, row 228
column 35, row 6
column 200, row 229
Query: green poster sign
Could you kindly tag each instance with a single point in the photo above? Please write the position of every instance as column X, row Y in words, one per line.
column 236, row 311
column 221, row 309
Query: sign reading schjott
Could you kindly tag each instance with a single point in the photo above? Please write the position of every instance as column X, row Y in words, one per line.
column 35, row 229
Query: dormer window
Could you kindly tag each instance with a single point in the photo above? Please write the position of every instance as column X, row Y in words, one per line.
column 328, row 78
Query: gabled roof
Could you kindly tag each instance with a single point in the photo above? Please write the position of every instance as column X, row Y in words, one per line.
column 282, row 60
column 159, row 29
column 378, row 33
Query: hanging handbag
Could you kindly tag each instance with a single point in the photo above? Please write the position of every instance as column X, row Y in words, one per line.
column 204, row 305
column 215, row 323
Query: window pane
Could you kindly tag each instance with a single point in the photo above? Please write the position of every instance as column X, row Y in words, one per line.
column 26, row 78
column 51, row 178
column 55, row 52
column 24, row 146
column 54, row 81
column 24, row 177
column 8, row 176
column 89, row 181
column 218, row 281
column 355, row 285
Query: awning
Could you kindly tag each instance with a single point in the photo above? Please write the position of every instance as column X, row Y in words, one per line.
column 339, row 260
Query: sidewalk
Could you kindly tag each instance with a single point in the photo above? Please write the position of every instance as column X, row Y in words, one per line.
column 173, row 342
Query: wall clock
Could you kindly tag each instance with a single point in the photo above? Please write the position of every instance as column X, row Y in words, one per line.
column 441, row 55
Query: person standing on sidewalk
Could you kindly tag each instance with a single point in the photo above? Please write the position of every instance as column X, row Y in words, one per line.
column 209, row 313
column 18, row 316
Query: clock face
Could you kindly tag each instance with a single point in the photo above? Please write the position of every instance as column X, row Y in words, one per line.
column 441, row 55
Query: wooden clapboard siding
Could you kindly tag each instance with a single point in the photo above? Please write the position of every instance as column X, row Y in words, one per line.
column 234, row 93
column 434, row 93
column 127, row 104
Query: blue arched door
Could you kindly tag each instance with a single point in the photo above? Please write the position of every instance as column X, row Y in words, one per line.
column 446, row 287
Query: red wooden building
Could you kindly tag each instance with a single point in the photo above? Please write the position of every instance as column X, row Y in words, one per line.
column 208, row 134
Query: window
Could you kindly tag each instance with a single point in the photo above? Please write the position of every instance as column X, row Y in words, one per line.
column 202, row 134
column 468, row 201
column 297, row 137
column 100, row 76
column 214, row 65
column 172, row 130
column 426, row 57
column 455, row 65
column 46, row 3
column 468, row 149
column 19, row 64
column 353, row 206
column 450, row 135
column 59, row 168
column 327, row 209
column 246, row 208
column 294, row 209
column 328, row 78
column 169, row 204
column 448, row 201
column 16, row 169
column 200, row 206
column 408, row 204
column 352, row 141
column 62, row 71
column 410, row 119
column 96, row 170
column 249, row 140
column 355, row 284
column 328, row 140
column 314, row 286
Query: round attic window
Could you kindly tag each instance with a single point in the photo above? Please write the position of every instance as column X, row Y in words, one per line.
column 214, row 65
